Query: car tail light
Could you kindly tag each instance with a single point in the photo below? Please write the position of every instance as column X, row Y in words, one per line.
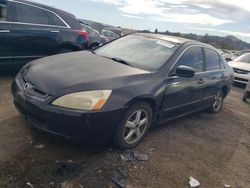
column 84, row 34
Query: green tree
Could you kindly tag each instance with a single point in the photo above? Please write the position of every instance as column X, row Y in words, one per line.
column 156, row 31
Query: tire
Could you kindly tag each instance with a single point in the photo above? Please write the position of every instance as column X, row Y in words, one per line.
column 133, row 127
column 245, row 96
column 218, row 102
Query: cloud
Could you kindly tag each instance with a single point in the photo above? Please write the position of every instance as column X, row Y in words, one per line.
column 112, row 2
column 202, row 12
column 242, row 34
column 203, row 19
column 132, row 16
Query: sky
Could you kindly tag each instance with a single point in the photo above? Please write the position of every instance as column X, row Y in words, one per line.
column 215, row 17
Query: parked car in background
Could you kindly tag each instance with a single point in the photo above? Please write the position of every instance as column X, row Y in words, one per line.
column 247, row 93
column 228, row 55
column 113, row 93
column 95, row 38
column 29, row 30
column 237, row 53
column 101, row 26
column 241, row 66
column 116, row 30
column 109, row 34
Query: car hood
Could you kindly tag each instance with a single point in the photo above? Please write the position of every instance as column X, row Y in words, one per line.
column 77, row 71
column 240, row 65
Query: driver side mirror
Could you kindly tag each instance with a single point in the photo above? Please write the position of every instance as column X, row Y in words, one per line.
column 184, row 71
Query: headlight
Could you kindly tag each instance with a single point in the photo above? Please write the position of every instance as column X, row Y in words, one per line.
column 87, row 100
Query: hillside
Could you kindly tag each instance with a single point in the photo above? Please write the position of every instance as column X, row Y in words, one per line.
column 229, row 42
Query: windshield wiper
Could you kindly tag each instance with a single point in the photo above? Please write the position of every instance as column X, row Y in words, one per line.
column 121, row 61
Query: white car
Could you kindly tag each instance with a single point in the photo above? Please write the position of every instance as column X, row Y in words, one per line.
column 241, row 66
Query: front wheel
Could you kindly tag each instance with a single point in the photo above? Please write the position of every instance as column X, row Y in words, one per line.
column 245, row 96
column 218, row 102
column 133, row 126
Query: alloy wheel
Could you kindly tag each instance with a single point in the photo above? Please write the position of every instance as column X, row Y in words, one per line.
column 136, row 126
column 218, row 101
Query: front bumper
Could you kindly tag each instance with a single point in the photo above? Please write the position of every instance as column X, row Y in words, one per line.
column 241, row 78
column 97, row 127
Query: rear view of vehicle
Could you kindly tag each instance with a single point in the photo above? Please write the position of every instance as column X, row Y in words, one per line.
column 30, row 30
column 95, row 38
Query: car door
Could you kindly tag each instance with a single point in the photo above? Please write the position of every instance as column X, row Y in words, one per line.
column 33, row 34
column 213, row 76
column 183, row 94
column 6, row 38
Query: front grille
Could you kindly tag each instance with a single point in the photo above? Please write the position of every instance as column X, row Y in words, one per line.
column 240, row 71
column 241, row 79
column 32, row 91
column 37, row 93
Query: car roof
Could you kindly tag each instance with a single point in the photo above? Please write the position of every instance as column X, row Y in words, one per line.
column 177, row 40
column 169, row 38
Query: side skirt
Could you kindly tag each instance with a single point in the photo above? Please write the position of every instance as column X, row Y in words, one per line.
column 179, row 116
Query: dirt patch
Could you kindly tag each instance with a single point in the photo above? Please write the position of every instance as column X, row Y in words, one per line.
column 214, row 149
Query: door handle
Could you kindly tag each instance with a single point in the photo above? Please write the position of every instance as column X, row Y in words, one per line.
column 54, row 31
column 4, row 31
column 223, row 76
column 201, row 81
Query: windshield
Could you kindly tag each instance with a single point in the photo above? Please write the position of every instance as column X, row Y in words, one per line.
column 139, row 51
column 244, row 58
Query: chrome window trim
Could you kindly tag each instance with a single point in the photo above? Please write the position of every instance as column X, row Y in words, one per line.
column 32, row 24
column 7, row 57
column 210, row 71
column 20, row 57
column 23, row 23
column 197, row 73
column 33, row 56
column 191, row 46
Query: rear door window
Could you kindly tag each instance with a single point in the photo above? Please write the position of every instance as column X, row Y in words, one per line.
column 3, row 10
column 29, row 14
column 192, row 57
column 212, row 60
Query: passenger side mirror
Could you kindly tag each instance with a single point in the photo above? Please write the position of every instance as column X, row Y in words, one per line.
column 185, row 71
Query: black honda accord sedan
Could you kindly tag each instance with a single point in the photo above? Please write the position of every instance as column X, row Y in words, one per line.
column 118, row 91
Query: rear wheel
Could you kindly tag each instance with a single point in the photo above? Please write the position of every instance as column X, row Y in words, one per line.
column 133, row 126
column 218, row 102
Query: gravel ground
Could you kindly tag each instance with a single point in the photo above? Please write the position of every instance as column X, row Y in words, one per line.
column 214, row 149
